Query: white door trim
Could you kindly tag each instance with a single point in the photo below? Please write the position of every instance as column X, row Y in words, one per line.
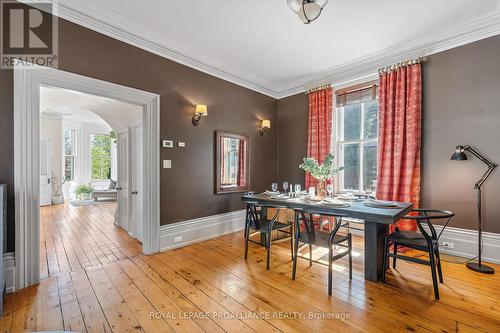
column 27, row 82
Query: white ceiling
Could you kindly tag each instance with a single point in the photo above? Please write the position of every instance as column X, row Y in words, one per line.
column 78, row 107
column 262, row 44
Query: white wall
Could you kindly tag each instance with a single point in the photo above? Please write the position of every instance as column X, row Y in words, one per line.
column 51, row 128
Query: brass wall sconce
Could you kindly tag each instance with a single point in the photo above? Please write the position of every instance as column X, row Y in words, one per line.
column 200, row 112
column 266, row 125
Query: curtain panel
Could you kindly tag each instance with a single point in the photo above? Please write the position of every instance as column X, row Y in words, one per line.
column 319, row 133
column 400, row 122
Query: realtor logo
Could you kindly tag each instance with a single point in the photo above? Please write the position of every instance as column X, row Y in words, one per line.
column 28, row 33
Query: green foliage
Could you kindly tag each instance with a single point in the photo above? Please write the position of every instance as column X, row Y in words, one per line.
column 82, row 189
column 100, row 156
column 320, row 172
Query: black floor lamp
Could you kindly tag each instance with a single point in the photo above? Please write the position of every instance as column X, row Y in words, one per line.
column 460, row 155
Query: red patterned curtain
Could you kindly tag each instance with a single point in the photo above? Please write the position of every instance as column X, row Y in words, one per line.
column 400, row 115
column 319, row 132
column 242, row 156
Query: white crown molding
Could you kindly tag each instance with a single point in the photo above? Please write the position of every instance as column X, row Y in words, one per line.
column 469, row 32
column 94, row 16
column 103, row 20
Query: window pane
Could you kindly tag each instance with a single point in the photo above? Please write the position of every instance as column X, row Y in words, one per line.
column 106, row 168
column 96, row 168
column 352, row 122
column 69, row 168
column 351, row 164
column 68, row 142
column 371, row 124
column 370, row 165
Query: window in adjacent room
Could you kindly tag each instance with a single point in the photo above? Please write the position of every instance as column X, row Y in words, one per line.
column 356, row 137
column 100, row 156
column 69, row 154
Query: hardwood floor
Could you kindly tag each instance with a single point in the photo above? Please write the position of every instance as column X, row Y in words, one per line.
column 96, row 280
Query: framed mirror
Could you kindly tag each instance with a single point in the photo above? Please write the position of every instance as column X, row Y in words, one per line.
column 232, row 162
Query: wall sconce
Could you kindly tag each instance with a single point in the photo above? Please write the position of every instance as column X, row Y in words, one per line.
column 200, row 112
column 266, row 124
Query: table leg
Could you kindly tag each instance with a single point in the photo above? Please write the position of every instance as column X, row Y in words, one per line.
column 374, row 249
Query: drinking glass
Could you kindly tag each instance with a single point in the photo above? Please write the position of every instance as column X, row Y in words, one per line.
column 298, row 188
column 285, row 186
column 329, row 189
column 274, row 187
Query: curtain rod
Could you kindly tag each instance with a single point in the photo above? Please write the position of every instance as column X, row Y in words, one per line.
column 405, row 63
column 326, row 86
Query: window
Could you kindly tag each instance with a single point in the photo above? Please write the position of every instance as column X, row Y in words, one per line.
column 69, row 154
column 100, row 156
column 357, row 137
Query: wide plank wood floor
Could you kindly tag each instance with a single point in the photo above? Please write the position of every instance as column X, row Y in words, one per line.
column 94, row 279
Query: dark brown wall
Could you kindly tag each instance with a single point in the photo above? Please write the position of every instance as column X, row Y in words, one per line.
column 292, row 137
column 462, row 106
column 461, row 92
column 187, row 188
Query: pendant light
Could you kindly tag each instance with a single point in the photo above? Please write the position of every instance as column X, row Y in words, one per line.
column 307, row 10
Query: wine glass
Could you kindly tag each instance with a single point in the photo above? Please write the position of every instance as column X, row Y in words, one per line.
column 285, row 186
column 274, row 187
column 329, row 189
column 298, row 188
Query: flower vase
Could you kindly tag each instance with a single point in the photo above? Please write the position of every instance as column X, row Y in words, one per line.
column 321, row 189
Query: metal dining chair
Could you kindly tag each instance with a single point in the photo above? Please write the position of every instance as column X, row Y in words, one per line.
column 257, row 221
column 310, row 237
column 427, row 240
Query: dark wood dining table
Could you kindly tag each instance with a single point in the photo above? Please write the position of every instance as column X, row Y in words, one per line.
column 376, row 223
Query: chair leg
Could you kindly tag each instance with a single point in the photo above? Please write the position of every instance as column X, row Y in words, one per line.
column 434, row 275
column 295, row 254
column 438, row 262
column 395, row 253
column 247, row 232
column 291, row 243
column 385, row 258
column 310, row 255
column 349, row 243
column 330, row 269
column 268, row 257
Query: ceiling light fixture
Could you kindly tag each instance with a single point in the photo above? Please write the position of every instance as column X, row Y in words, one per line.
column 307, row 10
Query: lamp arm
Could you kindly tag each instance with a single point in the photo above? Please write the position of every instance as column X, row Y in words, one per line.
column 491, row 166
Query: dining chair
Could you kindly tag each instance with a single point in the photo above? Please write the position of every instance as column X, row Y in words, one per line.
column 308, row 235
column 258, row 221
column 427, row 240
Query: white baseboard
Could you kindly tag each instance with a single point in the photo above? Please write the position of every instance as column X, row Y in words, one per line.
column 9, row 271
column 465, row 243
column 197, row 230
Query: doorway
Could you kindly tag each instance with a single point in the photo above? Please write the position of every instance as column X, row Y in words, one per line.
column 28, row 80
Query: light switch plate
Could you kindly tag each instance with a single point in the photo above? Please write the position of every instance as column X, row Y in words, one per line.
column 167, row 164
column 181, row 144
column 168, row 144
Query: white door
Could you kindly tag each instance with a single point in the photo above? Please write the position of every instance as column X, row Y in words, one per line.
column 45, row 186
column 123, row 181
column 137, row 175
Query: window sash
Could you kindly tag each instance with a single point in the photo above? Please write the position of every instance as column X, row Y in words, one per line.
column 339, row 146
column 72, row 156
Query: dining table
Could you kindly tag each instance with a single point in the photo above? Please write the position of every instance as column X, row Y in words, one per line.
column 376, row 221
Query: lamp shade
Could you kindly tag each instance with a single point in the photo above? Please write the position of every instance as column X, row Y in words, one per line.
column 309, row 12
column 201, row 110
column 266, row 123
column 459, row 154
